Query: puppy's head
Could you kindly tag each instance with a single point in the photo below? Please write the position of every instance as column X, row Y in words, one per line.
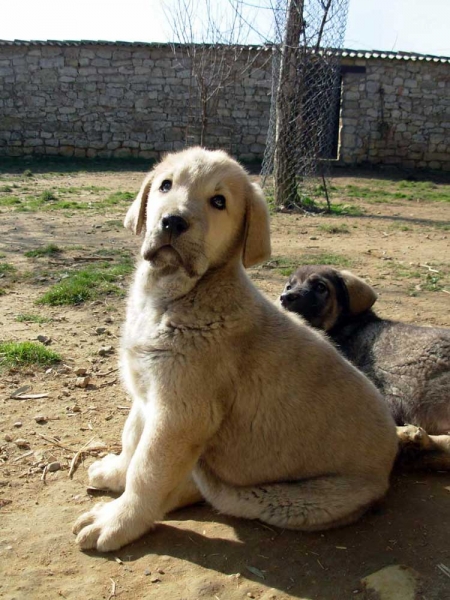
column 198, row 210
column 321, row 295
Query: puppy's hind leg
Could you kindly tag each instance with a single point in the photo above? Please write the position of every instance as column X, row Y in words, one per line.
column 110, row 472
column 309, row 505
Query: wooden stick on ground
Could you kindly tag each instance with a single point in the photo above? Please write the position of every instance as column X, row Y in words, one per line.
column 84, row 450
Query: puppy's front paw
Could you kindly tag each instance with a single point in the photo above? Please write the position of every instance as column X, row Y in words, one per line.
column 108, row 473
column 109, row 526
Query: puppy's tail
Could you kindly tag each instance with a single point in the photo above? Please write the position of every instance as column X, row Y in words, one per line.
column 310, row 504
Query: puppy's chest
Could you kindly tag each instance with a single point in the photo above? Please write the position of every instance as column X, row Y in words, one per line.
column 162, row 354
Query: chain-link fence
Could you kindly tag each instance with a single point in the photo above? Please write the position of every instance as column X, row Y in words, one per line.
column 304, row 121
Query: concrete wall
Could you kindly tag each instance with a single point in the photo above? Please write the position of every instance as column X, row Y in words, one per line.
column 136, row 100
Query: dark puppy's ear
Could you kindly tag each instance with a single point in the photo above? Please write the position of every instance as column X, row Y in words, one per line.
column 257, row 232
column 135, row 217
column 361, row 295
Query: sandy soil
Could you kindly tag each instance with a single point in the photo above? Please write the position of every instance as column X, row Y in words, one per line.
column 196, row 553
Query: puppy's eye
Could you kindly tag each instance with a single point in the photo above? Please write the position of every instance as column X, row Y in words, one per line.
column 218, row 202
column 166, row 186
column 288, row 287
column 321, row 288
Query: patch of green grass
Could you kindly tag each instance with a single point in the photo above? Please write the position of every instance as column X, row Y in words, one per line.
column 314, row 205
column 7, row 269
column 49, row 250
column 70, row 205
column 89, row 283
column 334, row 228
column 374, row 195
column 5, row 189
column 20, row 354
column 399, row 227
column 83, row 188
column 286, row 266
column 7, row 275
column 403, row 271
column 28, row 173
column 385, row 191
column 116, row 198
column 49, row 200
column 27, row 318
column 47, row 196
column 33, row 204
column 114, row 223
column 10, row 201
column 432, row 282
column 417, row 185
column 343, row 209
column 114, row 252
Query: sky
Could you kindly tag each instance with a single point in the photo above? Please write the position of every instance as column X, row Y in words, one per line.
column 407, row 25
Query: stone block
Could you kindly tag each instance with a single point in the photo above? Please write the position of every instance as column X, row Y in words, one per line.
column 51, row 151
column 33, row 142
column 50, row 63
column 100, row 62
column 122, row 153
column 85, row 71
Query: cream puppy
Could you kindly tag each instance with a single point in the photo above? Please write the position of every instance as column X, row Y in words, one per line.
column 260, row 411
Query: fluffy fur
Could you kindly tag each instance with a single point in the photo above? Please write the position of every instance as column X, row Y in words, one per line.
column 410, row 365
column 231, row 396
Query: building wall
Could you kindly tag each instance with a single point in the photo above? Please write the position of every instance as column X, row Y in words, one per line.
column 136, row 100
column 396, row 113
column 122, row 100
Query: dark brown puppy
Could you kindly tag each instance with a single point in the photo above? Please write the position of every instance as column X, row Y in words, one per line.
column 410, row 365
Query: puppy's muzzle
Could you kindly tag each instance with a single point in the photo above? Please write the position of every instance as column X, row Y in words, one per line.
column 287, row 298
column 174, row 225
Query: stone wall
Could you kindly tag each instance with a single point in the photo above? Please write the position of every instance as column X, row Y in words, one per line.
column 89, row 99
column 397, row 112
column 124, row 100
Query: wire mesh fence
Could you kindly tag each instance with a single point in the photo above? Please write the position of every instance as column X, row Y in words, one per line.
column 304, row 119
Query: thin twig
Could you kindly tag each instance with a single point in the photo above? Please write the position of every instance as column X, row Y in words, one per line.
column 77, row 456
column 113, row 589
column 55, row 442
column 112, row 382
column 29, row 396
column 429, row 268
column 19, row 458
column 93, row 258
column 325, row 189
column 106, row 373
column 44, row 474
column 320, row 564
column 444, row 569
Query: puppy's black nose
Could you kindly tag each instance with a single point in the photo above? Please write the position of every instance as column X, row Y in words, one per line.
column 286, row 298
column 174, row 224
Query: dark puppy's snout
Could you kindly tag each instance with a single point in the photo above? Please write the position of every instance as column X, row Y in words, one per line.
column 287, row 297
column 174, row 224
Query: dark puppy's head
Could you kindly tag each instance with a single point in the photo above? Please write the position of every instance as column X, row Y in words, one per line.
column 322, row 295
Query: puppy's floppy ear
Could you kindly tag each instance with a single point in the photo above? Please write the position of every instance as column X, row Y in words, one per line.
column 257, row 231
column 361, row 295
column 135, row 217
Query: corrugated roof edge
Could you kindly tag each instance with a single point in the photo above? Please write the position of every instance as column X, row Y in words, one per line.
column 343, row 52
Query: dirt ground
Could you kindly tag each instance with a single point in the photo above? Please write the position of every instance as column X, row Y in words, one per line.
column 401, row 247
